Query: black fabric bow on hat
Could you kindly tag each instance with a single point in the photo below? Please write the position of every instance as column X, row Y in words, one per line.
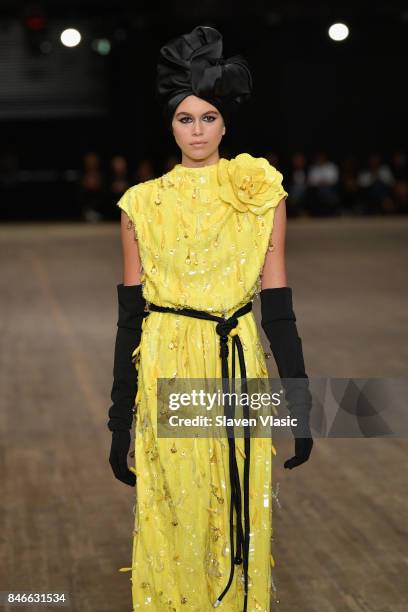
column 192, row 64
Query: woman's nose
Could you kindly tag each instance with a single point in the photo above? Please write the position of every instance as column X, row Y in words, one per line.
column 197, row 128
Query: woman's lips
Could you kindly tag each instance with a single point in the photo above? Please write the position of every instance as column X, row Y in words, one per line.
column 198, row 144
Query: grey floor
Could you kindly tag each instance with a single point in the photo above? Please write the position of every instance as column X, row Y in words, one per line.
column 340, row 535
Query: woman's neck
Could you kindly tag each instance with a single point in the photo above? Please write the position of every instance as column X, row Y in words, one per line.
column 188, row 162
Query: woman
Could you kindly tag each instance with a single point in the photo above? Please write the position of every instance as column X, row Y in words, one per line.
column 197, row 247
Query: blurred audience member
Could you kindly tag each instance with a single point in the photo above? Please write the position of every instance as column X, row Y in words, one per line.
column 348, row 188
column 376, row 183
column 399, row 168
column 297, row 186
column 91, row 188
column 323, row 180
column 117, row 185
column 144, row 171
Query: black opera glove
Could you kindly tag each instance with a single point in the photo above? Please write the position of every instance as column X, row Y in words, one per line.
column 131, row 312
column 278, row 321
column 118, row 457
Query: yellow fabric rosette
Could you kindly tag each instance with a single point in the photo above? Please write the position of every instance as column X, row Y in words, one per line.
column 250, row 183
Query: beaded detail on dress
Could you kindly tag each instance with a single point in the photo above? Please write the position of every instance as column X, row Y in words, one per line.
column 202, row 228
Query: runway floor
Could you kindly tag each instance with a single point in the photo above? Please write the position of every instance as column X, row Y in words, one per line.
column 341, row 537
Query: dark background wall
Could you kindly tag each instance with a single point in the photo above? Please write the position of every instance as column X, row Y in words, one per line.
column 308, row 91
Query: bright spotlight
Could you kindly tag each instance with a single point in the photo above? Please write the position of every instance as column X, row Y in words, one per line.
column 338, row 31
column 70, row 37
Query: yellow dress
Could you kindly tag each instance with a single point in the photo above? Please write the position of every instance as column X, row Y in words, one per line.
column 203, row 234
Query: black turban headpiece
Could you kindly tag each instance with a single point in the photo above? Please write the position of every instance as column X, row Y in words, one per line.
column 192, row 64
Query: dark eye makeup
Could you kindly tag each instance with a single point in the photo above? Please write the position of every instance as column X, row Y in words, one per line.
column 211, row 117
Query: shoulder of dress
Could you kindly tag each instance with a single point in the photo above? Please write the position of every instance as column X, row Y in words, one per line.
column 137, row 197
column 247, row 160
column 144, row 188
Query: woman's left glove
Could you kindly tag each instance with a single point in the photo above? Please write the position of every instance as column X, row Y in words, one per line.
column 118, row 457
column 279, row 324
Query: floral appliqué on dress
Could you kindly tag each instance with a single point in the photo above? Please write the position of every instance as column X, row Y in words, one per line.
column 250, row 183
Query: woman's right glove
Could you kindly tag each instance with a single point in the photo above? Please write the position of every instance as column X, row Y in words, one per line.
column 278, row 321
column 131, row 306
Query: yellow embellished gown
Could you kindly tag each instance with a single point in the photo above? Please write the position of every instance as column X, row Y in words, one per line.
column 203, row 234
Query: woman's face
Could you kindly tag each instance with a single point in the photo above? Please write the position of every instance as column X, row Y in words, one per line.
column 198, row 128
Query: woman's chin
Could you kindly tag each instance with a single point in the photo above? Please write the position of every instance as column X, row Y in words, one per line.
column 198, row 153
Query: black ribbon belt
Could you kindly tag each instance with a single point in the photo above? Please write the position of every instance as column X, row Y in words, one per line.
column 223, row 329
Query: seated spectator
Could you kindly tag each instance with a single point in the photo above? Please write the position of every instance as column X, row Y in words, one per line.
column 144, row 171
column 348, row 188
column 117, row 185
column 376, row 183
column 91, row 188
column 399, row 168
column 297, row 186
column 323, row 178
